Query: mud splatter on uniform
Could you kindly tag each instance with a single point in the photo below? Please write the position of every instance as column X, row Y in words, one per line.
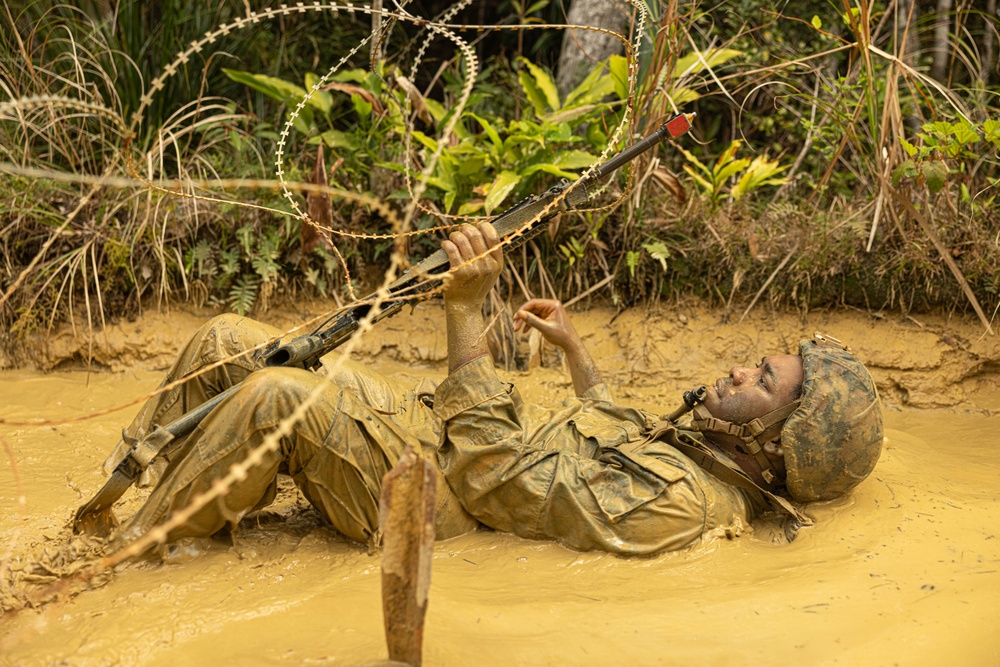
column 581, row 473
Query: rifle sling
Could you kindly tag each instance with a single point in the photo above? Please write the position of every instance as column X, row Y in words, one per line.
column 143, row 452
column 735, row 477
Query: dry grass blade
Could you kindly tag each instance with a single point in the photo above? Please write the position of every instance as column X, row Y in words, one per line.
column 945, row 254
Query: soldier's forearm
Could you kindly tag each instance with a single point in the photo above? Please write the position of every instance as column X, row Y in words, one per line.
column 582, row 369
column 466, row 341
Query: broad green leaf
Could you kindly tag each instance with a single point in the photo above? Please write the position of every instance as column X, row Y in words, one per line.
column 440, row 184
column 728, row 154
column 618, row 67
column 991, row 128
column 273, row 87
column 557, row 132
column 695, row 161
column 548, row 168
column 468, row 148
column 337, row 139
column 500, row 188
column 436, row 109
column 569, row 114
column 516, row 139
column 683, row 95
column 361, row 106
column 321, row 99
column 941, row 128
column 910, row 149
column 304, row 120
column 730, row 169
column 471, row 165
column 596, row 136
column 392, row 166
column 426, row 141
column 446, row 172
column 359, row 76
column 545, row 84
column 935, row 175
column 965, row 135
column 490, row 132
column 761, row 172
column 533, row 93
column 692, row 63
column 905, row 169
column 699, row 180
column 575, row 159
column 592, row 89
column 471, row 207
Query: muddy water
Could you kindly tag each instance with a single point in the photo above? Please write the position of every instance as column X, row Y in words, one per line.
column 904, row 571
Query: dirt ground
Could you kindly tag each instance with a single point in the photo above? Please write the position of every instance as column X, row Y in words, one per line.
column 906, row 570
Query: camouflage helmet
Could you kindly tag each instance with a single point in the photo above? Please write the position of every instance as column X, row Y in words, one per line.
column 834, row 437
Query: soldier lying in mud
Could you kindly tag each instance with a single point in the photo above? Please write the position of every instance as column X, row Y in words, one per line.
column 589, row 473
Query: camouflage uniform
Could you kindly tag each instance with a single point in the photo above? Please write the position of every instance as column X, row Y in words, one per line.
column 582, row 473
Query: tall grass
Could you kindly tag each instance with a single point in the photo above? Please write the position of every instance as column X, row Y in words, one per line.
column 831, row 98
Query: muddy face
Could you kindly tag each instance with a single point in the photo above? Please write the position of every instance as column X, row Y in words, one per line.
column 905, row 569
column 749, row 393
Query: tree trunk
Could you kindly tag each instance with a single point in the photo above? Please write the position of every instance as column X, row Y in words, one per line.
column 906, row 30
column 942, row 49
column 989, row 56
column 583, row 49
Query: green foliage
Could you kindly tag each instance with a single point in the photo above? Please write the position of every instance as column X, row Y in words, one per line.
column 944, row 153
column 716, row 181
column 556, row 137
column 353, row 115
column 809, row 83
column 233, row 271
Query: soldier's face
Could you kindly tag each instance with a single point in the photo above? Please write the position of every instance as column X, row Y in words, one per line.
column 749, row 393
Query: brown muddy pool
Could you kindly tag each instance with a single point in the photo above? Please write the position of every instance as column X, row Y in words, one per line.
column 904, row 571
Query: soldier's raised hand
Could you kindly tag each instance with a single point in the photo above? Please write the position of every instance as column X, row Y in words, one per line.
column 552, row 321
column 476, row 260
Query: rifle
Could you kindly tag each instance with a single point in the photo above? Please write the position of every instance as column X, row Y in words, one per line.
column 515, row 226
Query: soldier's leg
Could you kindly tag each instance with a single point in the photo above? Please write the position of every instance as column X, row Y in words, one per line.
column 337, row 454
column 226, row 337
column 402, row 407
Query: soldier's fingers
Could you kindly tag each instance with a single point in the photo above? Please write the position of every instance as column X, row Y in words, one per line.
column 532, row 320
column 490, row 235
column 542, row 307
column 454, row 256
column 492, row 240
column 461, row 242
column 476, row 240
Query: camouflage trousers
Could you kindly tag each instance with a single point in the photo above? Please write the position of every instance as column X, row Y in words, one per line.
column 354, row 432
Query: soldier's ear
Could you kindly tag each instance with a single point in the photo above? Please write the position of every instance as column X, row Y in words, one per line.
column 774, row 447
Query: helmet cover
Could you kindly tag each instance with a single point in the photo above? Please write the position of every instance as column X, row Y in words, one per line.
column 833, row 439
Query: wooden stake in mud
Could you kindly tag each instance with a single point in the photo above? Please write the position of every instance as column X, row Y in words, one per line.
column 406, row 518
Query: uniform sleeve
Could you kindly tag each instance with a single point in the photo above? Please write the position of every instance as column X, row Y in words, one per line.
column 539, row 491
column 599, row 392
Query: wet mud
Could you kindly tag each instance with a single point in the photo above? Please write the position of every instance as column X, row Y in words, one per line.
column 906, row 570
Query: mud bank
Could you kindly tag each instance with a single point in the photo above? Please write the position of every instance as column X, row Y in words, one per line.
column 904, row 571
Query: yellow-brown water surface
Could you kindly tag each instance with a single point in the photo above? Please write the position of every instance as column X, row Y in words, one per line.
column 904, row 571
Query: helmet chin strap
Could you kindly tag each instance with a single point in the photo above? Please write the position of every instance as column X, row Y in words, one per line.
column 754, row 434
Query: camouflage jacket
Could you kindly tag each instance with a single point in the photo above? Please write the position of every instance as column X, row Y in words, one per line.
column 582, row 473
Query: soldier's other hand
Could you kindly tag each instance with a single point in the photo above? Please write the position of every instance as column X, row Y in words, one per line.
column 552, row 321
column 476, row 260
